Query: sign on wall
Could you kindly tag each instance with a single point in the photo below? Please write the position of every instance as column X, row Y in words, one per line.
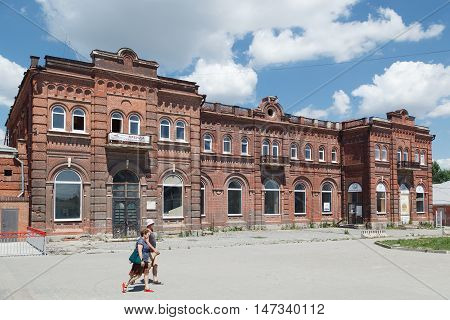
column 122, row 137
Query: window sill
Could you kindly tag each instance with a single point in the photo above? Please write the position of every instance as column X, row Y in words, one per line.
column 300, row 214
column 235, row 215
column 381, row 213
column 327, row 213
column 173, row 218
column 67, row 220
column 272, row 214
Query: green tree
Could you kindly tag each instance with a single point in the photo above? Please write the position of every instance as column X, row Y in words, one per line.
column 439, row 175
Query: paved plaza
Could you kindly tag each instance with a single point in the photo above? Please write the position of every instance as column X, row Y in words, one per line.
column 290, row 264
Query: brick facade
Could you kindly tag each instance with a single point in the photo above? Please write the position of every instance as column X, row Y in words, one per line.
column 123, row 85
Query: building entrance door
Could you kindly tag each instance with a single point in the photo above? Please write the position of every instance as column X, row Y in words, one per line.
column 404, row 204
column 355, row 214
column 125, row 205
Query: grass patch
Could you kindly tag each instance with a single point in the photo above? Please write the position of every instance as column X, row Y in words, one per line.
column 438, row 243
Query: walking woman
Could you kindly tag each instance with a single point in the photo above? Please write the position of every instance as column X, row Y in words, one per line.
column 137, row 270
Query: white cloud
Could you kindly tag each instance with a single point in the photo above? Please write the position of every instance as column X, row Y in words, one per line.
column 226, row 82
column 444, row 163
column 311, row 112
column 2, row 136
column 177, row 33
column 11, row 75
column 341, row 103
column 423, row 89
column 332, row 38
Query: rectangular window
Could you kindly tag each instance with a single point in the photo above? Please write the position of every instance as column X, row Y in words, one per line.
column 180, row 133
column 326, row 201
column 244, row 148
column 333, row 156
column 420, row 203
column 234, row 202
column 422, row 159
column 134, row 127
column 173, row 202
column 275, row 151
column 381, row 202
column 300, row 202
column 58, row 121
column 7, row 173
column 265, row 150
column 78, row 123
column 116, row 125
column 293, row 152
column 271, row 202
column 67, row 201
column 321, row 155
column 202, row 202
column 226, row 146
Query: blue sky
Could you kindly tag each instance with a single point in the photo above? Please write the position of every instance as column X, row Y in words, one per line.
column 241, row 51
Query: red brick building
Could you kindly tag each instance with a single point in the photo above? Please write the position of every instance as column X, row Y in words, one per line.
column 109, row 143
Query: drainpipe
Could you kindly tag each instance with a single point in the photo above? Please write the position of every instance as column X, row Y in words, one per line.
column 22, row 184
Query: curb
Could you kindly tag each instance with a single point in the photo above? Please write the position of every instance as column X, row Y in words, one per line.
column 386, row 246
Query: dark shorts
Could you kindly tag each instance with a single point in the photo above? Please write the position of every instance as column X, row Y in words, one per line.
column 138, row 270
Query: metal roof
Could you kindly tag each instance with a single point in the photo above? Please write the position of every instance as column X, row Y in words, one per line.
column 441, row 194
column 7, row 149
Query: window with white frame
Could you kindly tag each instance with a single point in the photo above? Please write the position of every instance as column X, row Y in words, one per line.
column 202, row 200
column 294, row 151
column 78, row 120
column 180, row 131
column 383, row 153
column 275, row 150
column 308, row 152
column 164, row 129
column 420, row 199
column 322, row 154
column 381, row 198
column 416, row 156
column 333, row 155
column 399, row 155
column 67, row 196
column 58, row 118
column 327, row 195
column 173, row 197
column 234, row 198
column 377, row 152
column 244, row 146
column 300, row 199
column 405, row 155
column 265, row 148
column 271, row 197
column 134, row 124
column 207, row 143
column 422, row 158
column 226, row 144
column 116, row 122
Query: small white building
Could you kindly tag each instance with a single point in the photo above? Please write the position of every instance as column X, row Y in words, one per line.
column 441, row 201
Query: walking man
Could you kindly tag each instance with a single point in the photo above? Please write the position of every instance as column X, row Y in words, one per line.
column 153, row 251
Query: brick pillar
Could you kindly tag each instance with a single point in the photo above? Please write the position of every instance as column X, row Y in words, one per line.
column 195, row 142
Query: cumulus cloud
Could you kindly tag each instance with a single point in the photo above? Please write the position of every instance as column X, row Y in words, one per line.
column 11, row 75
column 311, row 112
column 423, row 89
column 444, row 163
column 177, row 33
column 340, row 107
column 341, row 41
column 225, row 82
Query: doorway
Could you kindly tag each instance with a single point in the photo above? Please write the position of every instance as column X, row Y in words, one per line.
column 355, row 212
column 404, row 204
column 125, row 204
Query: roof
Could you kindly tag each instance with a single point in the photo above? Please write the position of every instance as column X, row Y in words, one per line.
column 441, row 193
column 6, row 149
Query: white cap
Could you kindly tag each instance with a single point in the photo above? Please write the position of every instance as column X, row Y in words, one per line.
column 149, row 222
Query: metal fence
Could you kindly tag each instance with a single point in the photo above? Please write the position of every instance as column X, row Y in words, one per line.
column 32, row 242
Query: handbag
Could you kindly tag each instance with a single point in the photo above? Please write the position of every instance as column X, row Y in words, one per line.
column 134, row 258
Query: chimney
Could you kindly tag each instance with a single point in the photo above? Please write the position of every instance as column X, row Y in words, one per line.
column 34, row 61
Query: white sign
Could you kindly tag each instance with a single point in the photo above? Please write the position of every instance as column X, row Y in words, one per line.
column 326, row 206
column 151, row 205
column 122, row 137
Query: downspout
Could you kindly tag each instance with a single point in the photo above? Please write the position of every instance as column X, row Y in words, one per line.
column 22, row 180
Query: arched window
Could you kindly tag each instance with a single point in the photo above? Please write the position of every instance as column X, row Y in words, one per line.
column 294, row 151
column 67, row 196
column 173, row 197
column 416, row 156
column 420, row 199
column 180, row 131
column 244, row 146
column 381, row 198
column 265, row 148
column 399, row 154
column 327, row 193
column 234, row 198
column 275, row 150
column 333, row 155
column 377, row 152
column 384, row 153
column 202, row 200
column 78, row 120
column 207, row 143
column 307, row 152
column 226, row 144
column 58, row 118
column 300, row 199
column 405, row 155
column 271, row 197
column 134, row 125
column 422, row 158
column 116, row 122
column 164, row 129
column 322, row 154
